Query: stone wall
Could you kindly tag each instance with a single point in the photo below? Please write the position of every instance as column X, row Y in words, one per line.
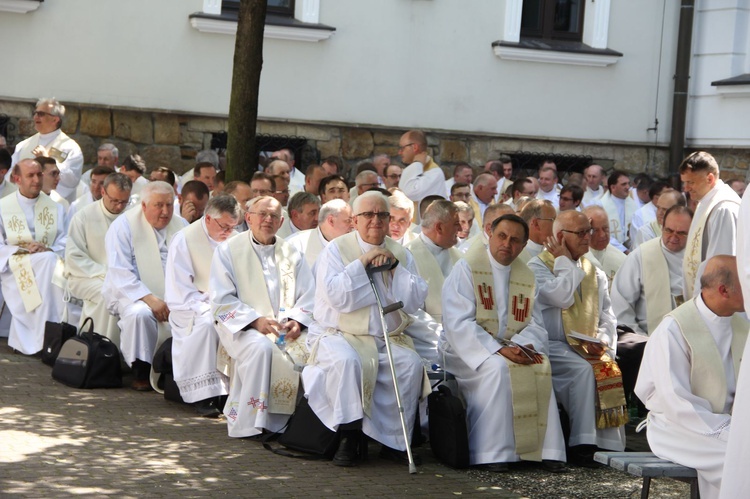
column 172, row 139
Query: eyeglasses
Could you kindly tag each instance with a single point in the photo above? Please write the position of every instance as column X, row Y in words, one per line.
column 41, row 114
column 369, row 215
column 678, row 233
column 264, row 214
column 372, row 184
column 580, row 233
column 401, row 148
column 116, row 202
column 224, row 228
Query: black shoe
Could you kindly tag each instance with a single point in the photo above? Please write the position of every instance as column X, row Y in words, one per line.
column 554, row 466
column 583, row 456
column 346, row 455
column 493, row 467
column 207, row 408
column 399, row 456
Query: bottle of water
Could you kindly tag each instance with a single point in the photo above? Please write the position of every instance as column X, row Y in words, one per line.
column 282, row 319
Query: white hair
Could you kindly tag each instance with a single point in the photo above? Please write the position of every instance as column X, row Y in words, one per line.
column 370, row 195
column 332, row 207
column 399, row 201
column 155, row 187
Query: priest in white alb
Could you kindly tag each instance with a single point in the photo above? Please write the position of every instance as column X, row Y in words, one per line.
column 434, row 256
column 348, row 381
column 689, row 375
column 334, row 220
column 652, row 230
column 86, row 256
column 602, row 253
column 646, row 288
column 31, row 250
column 261, row 287
column 136, row 246
column 511, row 407
column 194, row 337
column 619, row 207
column 577, row 331
column 714, row 228
column 52, row 142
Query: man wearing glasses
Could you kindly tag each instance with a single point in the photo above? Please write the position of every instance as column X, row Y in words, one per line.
column 136, row 247
column 85, row 255
column 648, row 286
column 602, row 252
column 392, row 176
column 421, row 176
column 573, row 323
column 348, row 383
column 52, row 142
column 539, row 215
column 194, row 337
column 261, row 287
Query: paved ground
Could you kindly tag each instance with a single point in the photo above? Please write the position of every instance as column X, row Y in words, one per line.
column 56, row 441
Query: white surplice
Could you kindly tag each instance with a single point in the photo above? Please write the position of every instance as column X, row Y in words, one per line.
column 418, row 184
column 311, row 248
column 681, row 425
column 333, row 383
column 642, row 216
column 592, row 197
column 251, row 350
column 70, row 168
column 482, row 376
column 27, row 328
column 123, row 289
column 736, row 482
column 86, row 266
column 628, row 294
column 194, row 337
column 572, row 376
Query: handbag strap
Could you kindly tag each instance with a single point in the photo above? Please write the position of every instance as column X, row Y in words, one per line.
column 90, row 330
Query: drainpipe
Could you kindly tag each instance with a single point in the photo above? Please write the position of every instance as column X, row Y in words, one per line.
column 681, row 79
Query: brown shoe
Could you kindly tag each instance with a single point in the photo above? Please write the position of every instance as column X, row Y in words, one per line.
column 141, row 385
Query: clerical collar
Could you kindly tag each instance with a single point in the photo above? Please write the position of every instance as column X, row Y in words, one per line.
column 50, row 135
column 321, row 236
column 106, row 212
column 676, row 253
column 708, row 315
column 431, row 246
column 24, row 199
column 497, row 265
column 258, row 243
column 367, row 246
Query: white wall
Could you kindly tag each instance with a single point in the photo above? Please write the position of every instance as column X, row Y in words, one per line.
column 396, row 63
column 718, row 116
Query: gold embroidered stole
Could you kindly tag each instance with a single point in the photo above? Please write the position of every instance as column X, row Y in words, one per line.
column 583, row 317
column 252, row 290
column 429, row 269
column 354, row 326
column 610, row 262
column 656, row 283
column 694, row 249
column 19, row 234
column 531, row 385
column 53, row 148
column 707, row 376
column 656, row 228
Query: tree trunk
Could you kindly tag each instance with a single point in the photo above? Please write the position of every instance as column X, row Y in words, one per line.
column 243, row 105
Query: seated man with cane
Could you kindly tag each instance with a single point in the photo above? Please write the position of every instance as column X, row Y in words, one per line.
column 487, row 303
column 348, row 379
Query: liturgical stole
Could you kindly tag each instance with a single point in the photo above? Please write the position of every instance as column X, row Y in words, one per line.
column 694, row 249
column 708, row 379
column 531, row 384
column 430, row 270
column 53, row 148
column 252, row 290
column 656, row 283
column 583, row 317
column 19, row 234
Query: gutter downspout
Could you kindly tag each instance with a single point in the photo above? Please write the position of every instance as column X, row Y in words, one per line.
column 681, row 79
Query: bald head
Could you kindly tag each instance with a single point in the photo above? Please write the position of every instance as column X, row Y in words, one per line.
column 568, row 220
column 666, row 201
column 492, row 213
column 720, row 286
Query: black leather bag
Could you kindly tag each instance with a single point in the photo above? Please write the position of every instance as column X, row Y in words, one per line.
column 449, row 437
column 55, row 334
column 306, row 433
column 88, row 360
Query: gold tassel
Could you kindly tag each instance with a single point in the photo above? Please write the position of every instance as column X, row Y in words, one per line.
column 612, row 418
